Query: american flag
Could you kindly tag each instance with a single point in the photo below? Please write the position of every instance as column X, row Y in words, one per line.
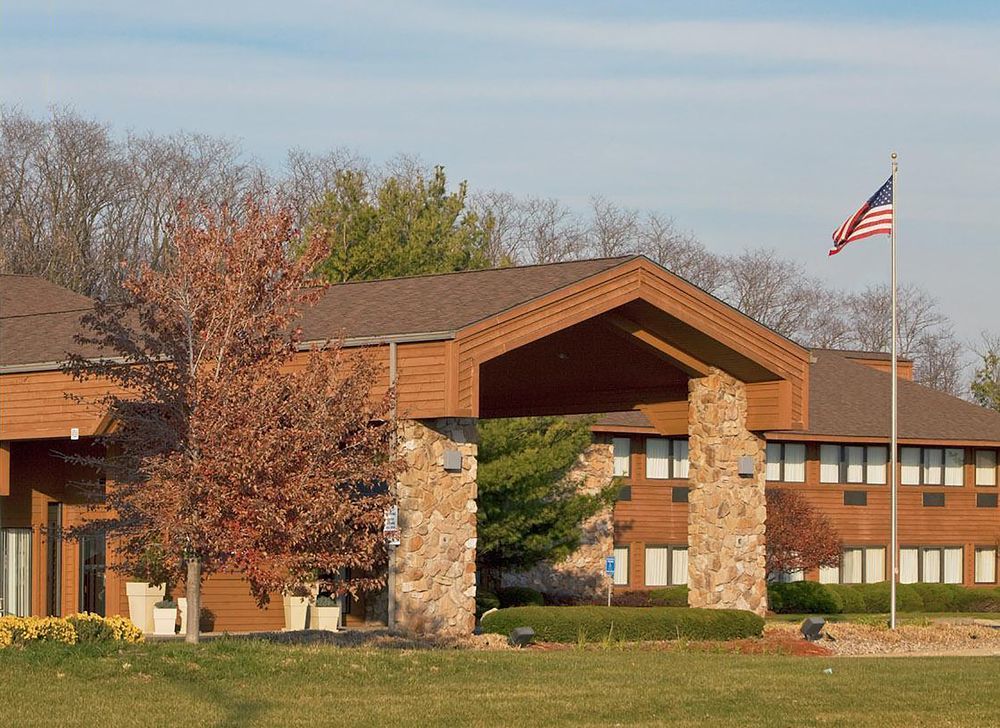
column 874, row 217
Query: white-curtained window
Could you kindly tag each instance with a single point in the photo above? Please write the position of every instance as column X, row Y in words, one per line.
column 852, row 566
column 679, row 565
column 954, row 466
column 854, row 457
column 909, row 566
column 622, row 452
column 986, row 565
column 909, row 471
column 933, row 466
column 621, row 565
column 953, row 566
column 986, row 467
column 657, row 458
column 829, row 463
column 681, row 463
column 829, row 575
column 930, row 566
column 795, row 462
column 878, row 458
column 657, row 565
column 773, row 461
column 874, row 565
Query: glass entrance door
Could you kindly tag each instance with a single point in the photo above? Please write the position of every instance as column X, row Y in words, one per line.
column 15, row 571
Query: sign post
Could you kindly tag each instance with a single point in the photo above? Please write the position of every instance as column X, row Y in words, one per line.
column 390, row 529
column 609, row 571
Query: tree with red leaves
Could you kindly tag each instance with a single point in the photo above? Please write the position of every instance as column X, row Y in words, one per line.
column 797, row 536
column 231, row 448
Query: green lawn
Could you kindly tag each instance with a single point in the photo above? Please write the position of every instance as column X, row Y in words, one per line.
column 230, row 682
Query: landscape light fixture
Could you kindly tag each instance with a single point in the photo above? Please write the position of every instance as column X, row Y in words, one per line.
column 812, row 628
column 521, row 636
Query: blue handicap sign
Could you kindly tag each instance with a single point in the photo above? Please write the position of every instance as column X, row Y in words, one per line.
column 609, row 565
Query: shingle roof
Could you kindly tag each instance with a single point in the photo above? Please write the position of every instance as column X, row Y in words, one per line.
column 847, row 398
column 28, row 295
column 437, row 303
column 44, row 317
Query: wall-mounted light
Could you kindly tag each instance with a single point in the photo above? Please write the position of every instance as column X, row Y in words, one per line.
column 452, row 461
column 746, row 466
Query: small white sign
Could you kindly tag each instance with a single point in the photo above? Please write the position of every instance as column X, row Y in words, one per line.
column 74, row 433
column 391, row 519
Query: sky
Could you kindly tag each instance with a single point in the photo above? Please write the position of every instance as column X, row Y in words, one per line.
column 751, row 123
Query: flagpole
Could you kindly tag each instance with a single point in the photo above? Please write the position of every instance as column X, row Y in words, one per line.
column 893, row 445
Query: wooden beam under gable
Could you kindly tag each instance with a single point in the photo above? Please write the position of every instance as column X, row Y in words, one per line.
column 630, row 330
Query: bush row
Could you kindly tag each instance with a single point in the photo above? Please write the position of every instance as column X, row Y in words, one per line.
column 803, row 597
column 519, row 596
column 625, row 624
column 84, row 627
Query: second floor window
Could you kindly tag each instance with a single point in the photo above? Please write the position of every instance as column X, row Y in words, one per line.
column 932, row 466
column 853, row 464
column 786, row 462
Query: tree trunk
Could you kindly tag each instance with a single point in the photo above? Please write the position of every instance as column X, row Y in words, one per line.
column 193, row 587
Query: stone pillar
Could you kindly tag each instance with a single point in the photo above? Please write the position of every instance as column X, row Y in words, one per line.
column 581, row 574
column 435, row 570
column 726, row 542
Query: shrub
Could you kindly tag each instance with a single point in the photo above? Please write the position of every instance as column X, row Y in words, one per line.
column 485, row 601
column 70, row 630
column 325, row 600
column 631, row 624
column 852, row 599
column 671, row 596
column 805, row 597
column 519, row 596
column 166, row 604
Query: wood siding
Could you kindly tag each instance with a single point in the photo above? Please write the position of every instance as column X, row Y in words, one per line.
column 38, row 405
column 651, row 518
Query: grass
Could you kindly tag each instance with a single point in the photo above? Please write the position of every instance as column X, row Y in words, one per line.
column 230, row 682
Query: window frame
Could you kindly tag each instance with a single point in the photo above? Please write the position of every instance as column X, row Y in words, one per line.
column 941, row 548
column 924, row 465
column 671, row 458
column 864, row 549
column 996, row 566
column 615, row 456
column 975, row 465
column 628, row 563
column 866, row 464
column 782, row 458
column 671, row 579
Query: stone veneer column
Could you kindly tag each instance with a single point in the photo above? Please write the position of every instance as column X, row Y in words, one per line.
column 726, row 513
column 581, row 574
column 435, row 569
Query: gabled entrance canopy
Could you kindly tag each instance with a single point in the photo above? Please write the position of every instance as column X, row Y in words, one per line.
column 586, row 336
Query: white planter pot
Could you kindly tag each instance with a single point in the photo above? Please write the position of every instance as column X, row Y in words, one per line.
column 182, row 605
column 164, row 620
column 141, row 598
column 327, row 618
column 296, row 612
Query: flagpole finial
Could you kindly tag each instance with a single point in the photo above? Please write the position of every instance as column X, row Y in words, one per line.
column 893, row 155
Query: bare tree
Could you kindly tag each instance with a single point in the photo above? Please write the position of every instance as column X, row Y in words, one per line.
column 613, row 230
column 680, row 253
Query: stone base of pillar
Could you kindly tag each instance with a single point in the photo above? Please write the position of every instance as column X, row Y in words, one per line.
column 726, row 512
column 435, row 569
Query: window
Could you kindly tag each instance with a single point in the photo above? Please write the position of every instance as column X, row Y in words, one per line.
column 621, row 566
column 986, row 500
column 829, row 575
column 829, row 463
column 666, row 565
column 954, row 466
column 15, row 566
column 986, row 565
column 932, row 466
column 666, row 459
column 986, row 467
column 909, row 470
column 786, row 577
column 933, row 500
column 931, row 564
column 853, row 464
column 858, row 565
column 855, row 497
column 622, row 447
column 786, row 462
column 92, row 573
column 679, row 494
